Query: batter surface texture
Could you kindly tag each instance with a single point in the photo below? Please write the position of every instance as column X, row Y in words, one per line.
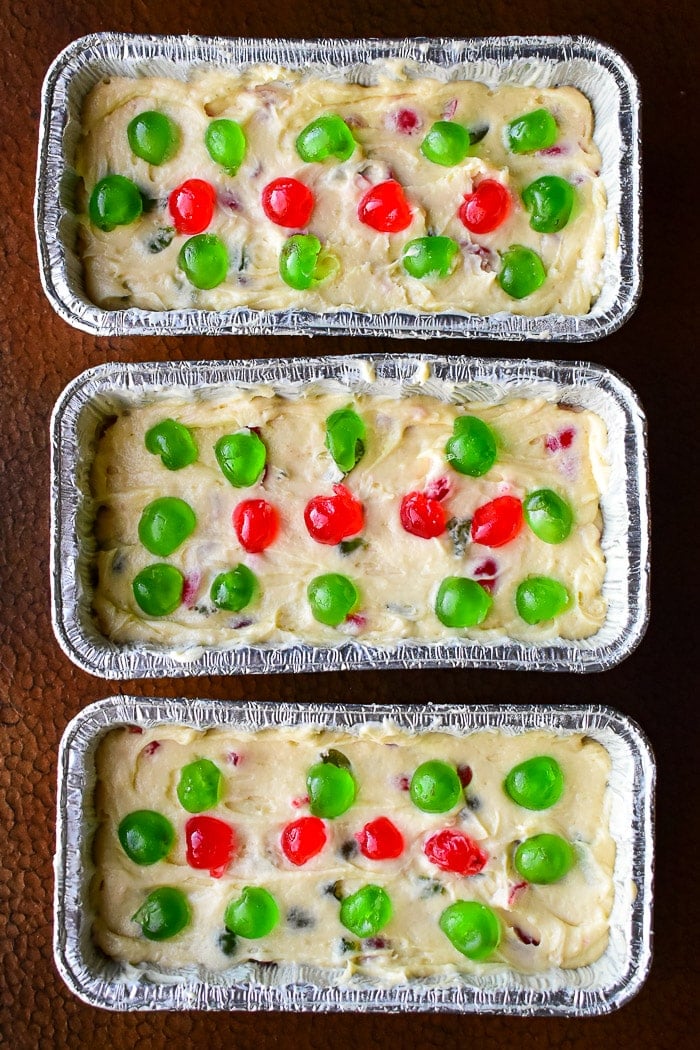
column 541, row 445
column 137, row 265
column 564, row 924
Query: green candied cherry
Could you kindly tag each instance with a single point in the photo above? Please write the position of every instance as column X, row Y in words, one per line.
column 367, row 911
column 173, row 442
column 252, row 915
column 158, row 589
column 549, row 201
column 163, row 914
column 226, row 144
column 472, row 448
column 462, row 602
column 548, row 515
column 543, row 859
column 435, row 787
column 327, row 136
column 522, row 272
column 531, row 131
column 153, row 137
column 331, row 787
column 234, row 590
column 345, row 438
column 472, row 928
column 146, row 836
column 540, row 598
column 446, row 143
column 205, row 260
column 241, row 457
column 332, row 598
column 165, row 524
column 429, row 256
column 115, row 201
column 304, row 263
column 200, row 785
column 537, row 783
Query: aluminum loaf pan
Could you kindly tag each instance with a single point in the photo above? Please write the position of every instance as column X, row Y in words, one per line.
column 591, row 990
column 594, row 68
column 95, row 395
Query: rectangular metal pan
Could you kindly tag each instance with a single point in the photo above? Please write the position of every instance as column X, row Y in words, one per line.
column 599, row 988
column 596, row 69
column 94, row 395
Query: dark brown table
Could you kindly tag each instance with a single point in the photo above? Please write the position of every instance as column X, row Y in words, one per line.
column 40, row 690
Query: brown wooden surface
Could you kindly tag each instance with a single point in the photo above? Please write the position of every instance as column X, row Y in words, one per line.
column 40, row 690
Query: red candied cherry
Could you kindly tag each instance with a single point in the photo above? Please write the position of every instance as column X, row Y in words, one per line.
column 192, row 206
column 439, row 488
column 515, row 891
column 465, row 774
column 486, row 573
column 487, row 207
column 385, row 208
column 190, row 588
column 210, row 844
column 526, row 938
column 407, row 121
column 380, row 840
column 288, row 203
column 331, row 519
column 303, row 839
column 498, row 522
column 564, row 439
column 423, row 516
column 455, row 851
column 256, row 524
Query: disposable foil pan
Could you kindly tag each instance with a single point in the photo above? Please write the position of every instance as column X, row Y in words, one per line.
column 596, row 69
column 598, row 988
column 100, row 392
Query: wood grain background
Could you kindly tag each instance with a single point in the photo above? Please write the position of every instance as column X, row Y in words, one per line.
column 40, row 690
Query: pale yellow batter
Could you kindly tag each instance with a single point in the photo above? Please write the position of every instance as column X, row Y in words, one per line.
column 397, row 574
column 569, row 919
column 273, row 105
